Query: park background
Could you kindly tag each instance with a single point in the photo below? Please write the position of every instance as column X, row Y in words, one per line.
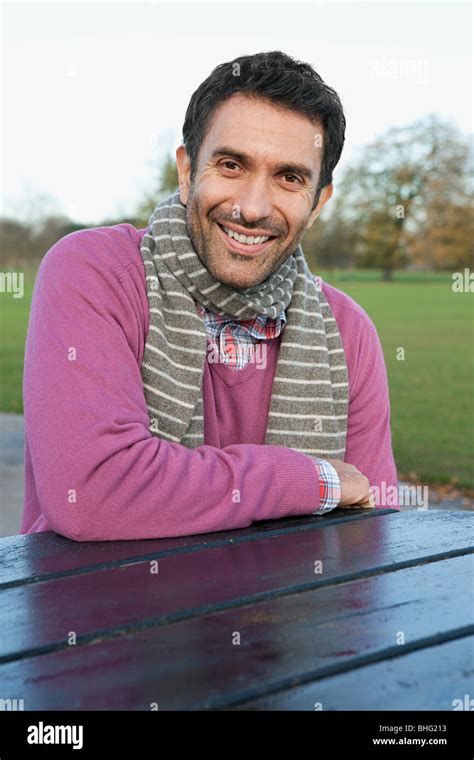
column 93, row 100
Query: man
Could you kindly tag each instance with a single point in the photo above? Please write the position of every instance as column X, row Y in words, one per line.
column 195, row 376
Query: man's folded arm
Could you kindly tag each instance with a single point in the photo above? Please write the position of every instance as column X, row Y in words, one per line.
column 99, row 472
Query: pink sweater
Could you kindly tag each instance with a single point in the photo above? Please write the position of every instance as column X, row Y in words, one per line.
column 93, row 470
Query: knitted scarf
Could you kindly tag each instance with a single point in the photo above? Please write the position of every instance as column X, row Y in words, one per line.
column 308, row 409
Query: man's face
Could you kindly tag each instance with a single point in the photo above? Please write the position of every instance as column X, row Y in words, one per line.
column 256, row 175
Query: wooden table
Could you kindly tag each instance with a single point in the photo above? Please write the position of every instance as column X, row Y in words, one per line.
column 355, row 610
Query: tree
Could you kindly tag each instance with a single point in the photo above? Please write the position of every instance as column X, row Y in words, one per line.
column 445, row 235
column 52, row 229
column 167, row 184
column 22, row 244
column 330, row 242
column 392, row 190
column 15, row 242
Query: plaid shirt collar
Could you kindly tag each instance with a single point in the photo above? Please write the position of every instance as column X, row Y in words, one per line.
column 259, row 328
column 235, row 339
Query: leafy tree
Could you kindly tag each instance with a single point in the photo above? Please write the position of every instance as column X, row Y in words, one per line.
column 399, row 186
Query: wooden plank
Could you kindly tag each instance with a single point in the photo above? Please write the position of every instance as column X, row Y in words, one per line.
column 428, row 679
column 34, row 557
column 41, row 615
column 194, row 664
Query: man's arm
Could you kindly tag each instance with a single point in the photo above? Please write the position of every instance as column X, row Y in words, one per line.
column 99, row 472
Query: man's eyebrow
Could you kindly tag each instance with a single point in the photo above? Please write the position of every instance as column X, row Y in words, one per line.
column 289, row 168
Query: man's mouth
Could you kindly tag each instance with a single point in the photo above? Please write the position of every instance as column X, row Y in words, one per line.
column 245, row 243
column 247, row 239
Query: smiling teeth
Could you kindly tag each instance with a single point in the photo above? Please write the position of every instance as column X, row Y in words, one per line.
column 248, row 239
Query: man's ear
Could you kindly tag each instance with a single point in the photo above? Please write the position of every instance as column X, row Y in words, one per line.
column 324, row 196
column 183, row 164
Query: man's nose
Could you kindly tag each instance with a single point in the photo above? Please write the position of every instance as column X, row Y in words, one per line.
column 255, row 200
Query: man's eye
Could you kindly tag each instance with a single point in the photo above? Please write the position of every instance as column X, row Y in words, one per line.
column 230, row 165
column 291, row 178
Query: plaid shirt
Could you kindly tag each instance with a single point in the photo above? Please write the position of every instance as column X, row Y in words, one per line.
column 235, row 341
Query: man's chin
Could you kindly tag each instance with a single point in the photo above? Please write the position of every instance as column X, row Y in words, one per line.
column 237, row 283
column 241, row 272
column 236, row 273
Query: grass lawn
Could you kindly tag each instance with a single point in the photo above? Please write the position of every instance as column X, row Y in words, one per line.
column 432, row 390
column 14, row 313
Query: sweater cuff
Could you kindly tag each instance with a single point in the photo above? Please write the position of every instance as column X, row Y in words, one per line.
column 297, row 481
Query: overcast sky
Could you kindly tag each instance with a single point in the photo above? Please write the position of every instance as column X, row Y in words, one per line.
column 94, row 94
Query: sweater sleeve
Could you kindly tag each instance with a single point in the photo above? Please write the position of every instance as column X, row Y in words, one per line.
column 369, row 445
column 99, row 472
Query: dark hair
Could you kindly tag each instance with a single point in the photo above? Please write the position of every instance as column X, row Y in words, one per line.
column 280, row 79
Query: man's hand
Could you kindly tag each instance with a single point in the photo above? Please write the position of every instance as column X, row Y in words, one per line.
column 354, row 486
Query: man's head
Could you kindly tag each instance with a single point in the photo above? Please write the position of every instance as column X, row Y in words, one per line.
column 262, row 135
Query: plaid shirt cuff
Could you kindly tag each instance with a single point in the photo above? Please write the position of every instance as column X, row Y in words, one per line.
column 329, row 486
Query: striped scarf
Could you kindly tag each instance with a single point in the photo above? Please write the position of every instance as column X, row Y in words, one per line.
column 308, row 409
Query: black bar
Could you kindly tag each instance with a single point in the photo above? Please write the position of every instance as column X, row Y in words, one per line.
column 446, row 734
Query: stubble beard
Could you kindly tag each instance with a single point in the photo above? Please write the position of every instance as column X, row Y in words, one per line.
column 201, row 247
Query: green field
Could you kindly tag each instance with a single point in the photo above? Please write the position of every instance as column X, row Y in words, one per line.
column 432, row 390
column 14, row 313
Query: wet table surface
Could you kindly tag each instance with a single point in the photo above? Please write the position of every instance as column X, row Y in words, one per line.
column 354, row 610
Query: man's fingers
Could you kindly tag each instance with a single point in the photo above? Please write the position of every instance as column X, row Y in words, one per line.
column 365, row 504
